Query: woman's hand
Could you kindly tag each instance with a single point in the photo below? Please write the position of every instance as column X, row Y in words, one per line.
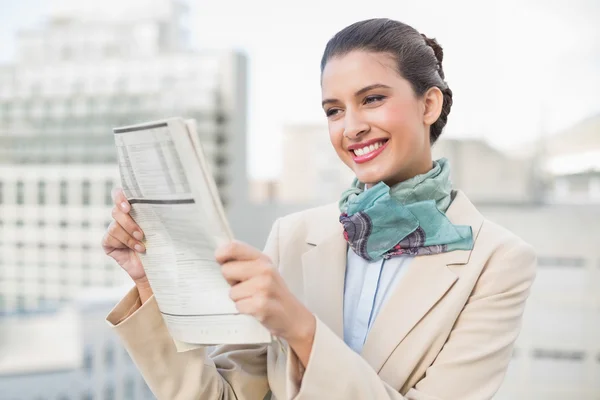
column 259, row 290
column 123, row 240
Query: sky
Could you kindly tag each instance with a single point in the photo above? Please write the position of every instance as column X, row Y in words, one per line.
column 518, row 68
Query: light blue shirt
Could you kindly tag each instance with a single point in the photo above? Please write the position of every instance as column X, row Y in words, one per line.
column 368, row 285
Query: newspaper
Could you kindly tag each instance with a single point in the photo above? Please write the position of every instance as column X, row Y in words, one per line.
column 175, row 201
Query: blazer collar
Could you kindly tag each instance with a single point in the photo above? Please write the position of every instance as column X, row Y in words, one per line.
column 426, row 281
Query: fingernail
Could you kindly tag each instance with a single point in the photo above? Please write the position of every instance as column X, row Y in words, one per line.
column 138, row 235
column 124, row 206
column 139, row 248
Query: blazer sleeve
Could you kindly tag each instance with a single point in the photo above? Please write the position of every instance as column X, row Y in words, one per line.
column 229, row 372
column 470, row 366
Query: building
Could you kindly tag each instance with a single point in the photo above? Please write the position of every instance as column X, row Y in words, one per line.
column 486, row 174
column 74, row 79
column 68, row 354
column 312, row 171
column 558, row 352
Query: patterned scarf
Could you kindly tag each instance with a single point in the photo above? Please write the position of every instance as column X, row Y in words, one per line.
column 408, row 218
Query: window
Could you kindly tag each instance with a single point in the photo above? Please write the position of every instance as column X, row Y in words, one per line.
column 20, row 303
column 41, row 192
column 108, row 186
column 129, row 389
column 41, row 223
column 20, row 192
column 109, row 355
column 85, row 193
column 88, row 360
column 85, row 224
column 555, row 354
column 109, row 393
column 20, row 223
column 572, row 262
column 64, row 195
column 64, row 224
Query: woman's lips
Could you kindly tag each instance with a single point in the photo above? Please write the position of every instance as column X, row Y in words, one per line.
column 368, row 156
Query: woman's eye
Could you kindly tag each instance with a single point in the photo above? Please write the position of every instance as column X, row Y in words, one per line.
column 372, row 99
column 331, row 112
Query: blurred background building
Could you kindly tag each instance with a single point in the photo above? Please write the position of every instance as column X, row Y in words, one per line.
column 91, row 67
column 67, row 354
column 74, row 80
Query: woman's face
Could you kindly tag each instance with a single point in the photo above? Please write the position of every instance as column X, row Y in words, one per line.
column 377, row 125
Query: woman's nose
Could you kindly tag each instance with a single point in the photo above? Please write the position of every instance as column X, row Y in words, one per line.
column 354, row 127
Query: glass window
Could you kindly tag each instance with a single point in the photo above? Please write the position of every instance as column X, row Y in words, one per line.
column 85, row 193
column 109, row 355
column 85, row 224
column 129, row 389
column 108, row 186
column 64, row 195
column 41, row 192
column 88, row 360
column 109, row 393
column 20, row 192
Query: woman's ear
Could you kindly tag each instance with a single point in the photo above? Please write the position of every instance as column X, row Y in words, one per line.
column 433, row 100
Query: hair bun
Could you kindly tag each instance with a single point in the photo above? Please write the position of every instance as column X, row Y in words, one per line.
column 437, row 49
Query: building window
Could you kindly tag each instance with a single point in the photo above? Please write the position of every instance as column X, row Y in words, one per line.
column 85, row 193
column 109, row 393
column 41, row 192
column 109, row 355
column 20, row 192
column 108, row 186
column 41, row 223
column 20, row 303
column 20, row 223
column 85, row 224
column 64, row 224
column 566, row 262
column 559, row 354
column 64, row 195
column 129, row 389
column 88, row 360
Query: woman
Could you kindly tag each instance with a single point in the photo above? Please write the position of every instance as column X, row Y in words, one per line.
column 402, row 291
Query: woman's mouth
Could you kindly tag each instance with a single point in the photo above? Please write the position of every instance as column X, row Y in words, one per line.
column 368, row 150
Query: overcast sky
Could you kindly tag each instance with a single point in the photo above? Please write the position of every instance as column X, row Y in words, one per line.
column 516, row 67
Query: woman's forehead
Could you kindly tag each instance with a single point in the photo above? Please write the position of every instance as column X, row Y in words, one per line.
column 356, row 70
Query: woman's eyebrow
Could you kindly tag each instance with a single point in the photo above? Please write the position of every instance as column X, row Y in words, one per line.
column 359, row 92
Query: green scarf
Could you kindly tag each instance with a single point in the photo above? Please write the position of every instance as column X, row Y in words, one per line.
column 408, row 218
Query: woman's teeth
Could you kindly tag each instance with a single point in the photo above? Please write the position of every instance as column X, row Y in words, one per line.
column 368, row 149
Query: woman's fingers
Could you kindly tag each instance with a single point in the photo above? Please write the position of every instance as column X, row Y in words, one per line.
column 117, row 236
column 120, row 200
column 120, row 213
column 239, row 271
column 235, row 250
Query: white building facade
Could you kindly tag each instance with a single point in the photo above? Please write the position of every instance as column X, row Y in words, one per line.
column 73, row 81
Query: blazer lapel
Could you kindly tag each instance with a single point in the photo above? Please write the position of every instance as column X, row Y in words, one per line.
column 324, row 269
column 427, row 280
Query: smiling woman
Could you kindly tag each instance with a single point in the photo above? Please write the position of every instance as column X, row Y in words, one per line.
column 403, row 290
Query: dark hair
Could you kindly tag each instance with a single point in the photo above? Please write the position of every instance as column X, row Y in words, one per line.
column 419, row 58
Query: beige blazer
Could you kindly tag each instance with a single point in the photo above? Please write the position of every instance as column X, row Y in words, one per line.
column 447, row 331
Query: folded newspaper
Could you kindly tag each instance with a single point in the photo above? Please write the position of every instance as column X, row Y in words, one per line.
column 174, row 199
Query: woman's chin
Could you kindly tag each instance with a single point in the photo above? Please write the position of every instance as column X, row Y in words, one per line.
column 369, row 177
